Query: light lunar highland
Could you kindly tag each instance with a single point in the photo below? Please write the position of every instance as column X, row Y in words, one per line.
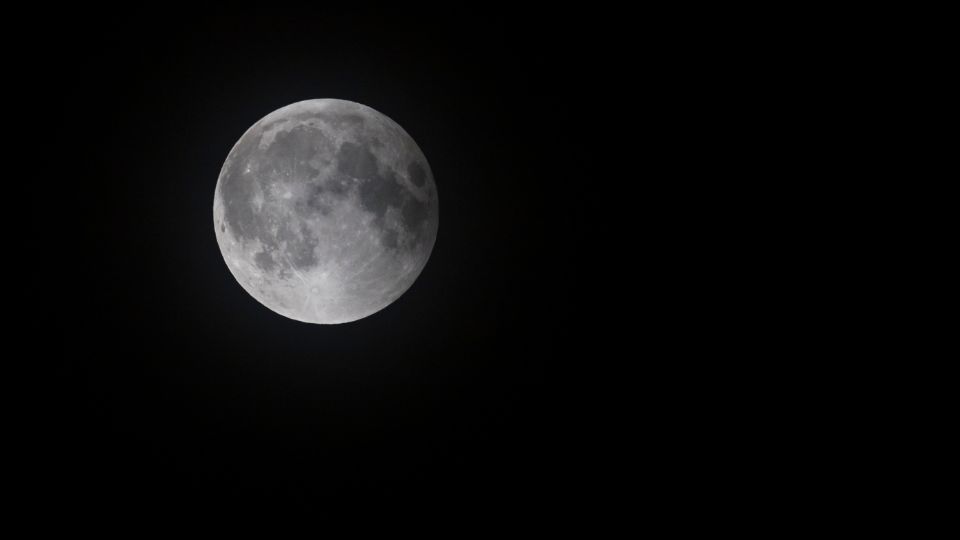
column 326, row 211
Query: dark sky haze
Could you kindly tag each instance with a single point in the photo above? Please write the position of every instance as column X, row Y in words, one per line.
column 178, row 391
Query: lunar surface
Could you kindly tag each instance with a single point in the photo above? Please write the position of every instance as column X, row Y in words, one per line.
column 326, row 211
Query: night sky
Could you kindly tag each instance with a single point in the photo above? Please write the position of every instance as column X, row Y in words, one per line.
column 177, row 392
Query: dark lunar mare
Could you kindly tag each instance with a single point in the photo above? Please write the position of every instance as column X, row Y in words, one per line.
column 291, row 152
column 417, row 174
column 382, row 190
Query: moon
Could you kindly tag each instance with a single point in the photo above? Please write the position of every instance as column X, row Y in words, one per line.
column 326, row 211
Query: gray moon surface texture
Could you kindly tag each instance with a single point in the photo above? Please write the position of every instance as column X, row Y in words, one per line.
column 326, row 211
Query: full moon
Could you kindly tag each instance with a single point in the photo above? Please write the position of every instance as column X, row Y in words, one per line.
column 326, row 211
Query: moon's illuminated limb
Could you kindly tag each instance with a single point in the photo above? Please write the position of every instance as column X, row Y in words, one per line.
column 326, row 211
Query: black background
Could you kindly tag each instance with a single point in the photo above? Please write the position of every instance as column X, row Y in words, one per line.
column 624, row 313
column 469, row 397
